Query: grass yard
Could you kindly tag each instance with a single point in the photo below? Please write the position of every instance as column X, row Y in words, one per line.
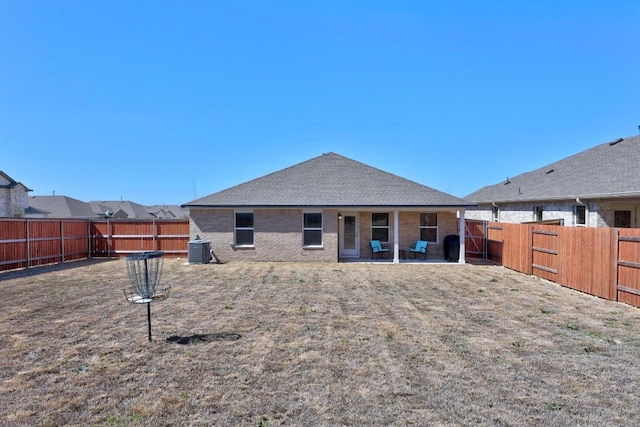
column 272, row 344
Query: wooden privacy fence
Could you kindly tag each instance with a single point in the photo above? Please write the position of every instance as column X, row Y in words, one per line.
column 26, row 243
column 604, row 262
column 121, row 237
column 31, row 242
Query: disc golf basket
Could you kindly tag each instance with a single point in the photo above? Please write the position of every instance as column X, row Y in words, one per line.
column 145, row 270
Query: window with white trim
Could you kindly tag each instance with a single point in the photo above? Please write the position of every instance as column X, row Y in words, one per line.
column 312, row 229
column 537, row 213
column 429, row 226
column 244, row 229
column 380, row 226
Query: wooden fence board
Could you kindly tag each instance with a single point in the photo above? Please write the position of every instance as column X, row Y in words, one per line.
column 544, row 251
column 511, row 244
column 628, row 286
column 604, row 262
column 31, row 242
column 585, row 258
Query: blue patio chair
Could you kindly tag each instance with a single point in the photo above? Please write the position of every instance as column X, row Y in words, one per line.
column 376, row 248
column 419, row 248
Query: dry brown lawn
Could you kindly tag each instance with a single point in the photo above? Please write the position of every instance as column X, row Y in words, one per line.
column 313, row 345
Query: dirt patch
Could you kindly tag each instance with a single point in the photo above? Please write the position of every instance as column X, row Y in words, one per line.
column 314, row 344
column 199, row 338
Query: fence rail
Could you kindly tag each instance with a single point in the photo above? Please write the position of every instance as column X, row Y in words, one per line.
column 31, row 242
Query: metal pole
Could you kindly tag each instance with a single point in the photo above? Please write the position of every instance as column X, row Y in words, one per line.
column 146, row 286
column 149, row 318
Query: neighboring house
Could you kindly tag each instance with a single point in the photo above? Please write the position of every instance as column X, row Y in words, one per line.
column 598, row 187
column 325, row 209
column 59, row 207
column 121, row 209
column 14, row 197
column 168, row 212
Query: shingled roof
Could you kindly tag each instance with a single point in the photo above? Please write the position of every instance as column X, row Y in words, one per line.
column 330, row 180
column 61, row 207
column 7, row 182
column 607, row 170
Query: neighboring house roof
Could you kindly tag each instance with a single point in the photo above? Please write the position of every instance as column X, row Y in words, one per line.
column 168, row 211
column 604, row 171
column 330, row 180
column 121, row 209
column 32, row 212
column 61, row 207
column 7, row 182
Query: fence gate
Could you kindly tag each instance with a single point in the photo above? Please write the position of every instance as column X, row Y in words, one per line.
column 475, row 239
column 544, row 253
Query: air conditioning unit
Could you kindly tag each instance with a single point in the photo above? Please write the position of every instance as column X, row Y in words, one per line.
column 199, row 252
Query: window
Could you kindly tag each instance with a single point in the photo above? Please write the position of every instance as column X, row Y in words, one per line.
column 429, row 226
column 495, row 214
column 380, row 226
column 312, row 229
column 537, row 213
column 622, row 219
column 581, row 215
column 244, row 229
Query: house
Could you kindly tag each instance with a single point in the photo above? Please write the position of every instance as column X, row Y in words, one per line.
column 59, row 207
column 120, row 209
column 328, row 208
column 598, row 187
column 14, row 197
column 168, row 212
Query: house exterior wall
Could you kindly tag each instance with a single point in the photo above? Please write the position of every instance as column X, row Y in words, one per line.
column 408, row 232
column 606, row 217
column 277, row 235
column 599, row 213
column 14, row 201
column 5, row 202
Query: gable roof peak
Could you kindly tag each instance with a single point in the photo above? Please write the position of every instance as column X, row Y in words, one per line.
column 329, row 180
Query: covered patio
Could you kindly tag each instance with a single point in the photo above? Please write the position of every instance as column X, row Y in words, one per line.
column 398, row 230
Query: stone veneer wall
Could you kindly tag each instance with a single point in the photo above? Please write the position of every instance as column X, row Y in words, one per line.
column 523, row 212
column 13, row 201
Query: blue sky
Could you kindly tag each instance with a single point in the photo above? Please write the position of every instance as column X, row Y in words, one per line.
column 161, row 102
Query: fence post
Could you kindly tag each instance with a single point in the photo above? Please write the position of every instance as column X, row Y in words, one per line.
column 485, row 242
column 108, row 239
column 27, row 246
column 89, row 240
column 62, row 241
column 529, row 245
column 614, row 271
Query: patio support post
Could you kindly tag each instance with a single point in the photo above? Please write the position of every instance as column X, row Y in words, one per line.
column 463, row 232
column 396, row 246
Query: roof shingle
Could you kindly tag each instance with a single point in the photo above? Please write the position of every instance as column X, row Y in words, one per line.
column 329, row 180
column 607, row 170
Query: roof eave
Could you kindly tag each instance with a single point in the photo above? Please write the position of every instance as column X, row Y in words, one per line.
column 623, row 195
column 342, row 206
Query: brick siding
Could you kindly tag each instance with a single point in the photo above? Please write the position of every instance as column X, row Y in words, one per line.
column 278, row 234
